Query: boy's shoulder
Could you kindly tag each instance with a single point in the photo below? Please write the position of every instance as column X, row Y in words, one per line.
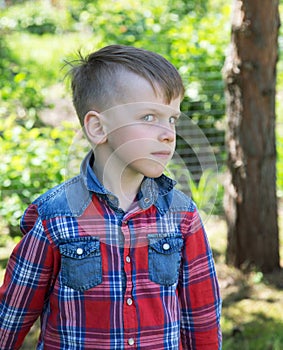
column 175, row 201
column 72, row 197
column 182, row 202
column 69, row 198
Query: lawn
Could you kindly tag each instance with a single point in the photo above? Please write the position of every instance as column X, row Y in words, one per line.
column 252, row 317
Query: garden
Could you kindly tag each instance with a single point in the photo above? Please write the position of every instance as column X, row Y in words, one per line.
column 39, row 129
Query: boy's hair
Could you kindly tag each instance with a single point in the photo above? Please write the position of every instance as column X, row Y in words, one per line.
column 95, row 79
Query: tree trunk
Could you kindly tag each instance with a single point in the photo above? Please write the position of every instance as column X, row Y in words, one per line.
column 250, row 75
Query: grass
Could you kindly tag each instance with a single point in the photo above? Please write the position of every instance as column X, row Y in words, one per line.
column 252, row 317
column 251, row 313
column 45, row 55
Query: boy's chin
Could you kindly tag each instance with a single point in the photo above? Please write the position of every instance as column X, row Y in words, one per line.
column 154, row 173
column 151, row 169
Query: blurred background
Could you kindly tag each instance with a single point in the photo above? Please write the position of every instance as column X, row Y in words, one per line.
column 39, row 132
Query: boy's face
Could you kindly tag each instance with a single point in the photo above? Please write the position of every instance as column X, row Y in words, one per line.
column 140, row 129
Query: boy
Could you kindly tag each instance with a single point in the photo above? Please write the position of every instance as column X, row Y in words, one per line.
column 116, row 258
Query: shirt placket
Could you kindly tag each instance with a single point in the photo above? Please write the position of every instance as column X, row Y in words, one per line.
column 129, row 306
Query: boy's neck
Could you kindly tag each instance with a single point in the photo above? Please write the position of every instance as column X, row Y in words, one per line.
column 123, row 183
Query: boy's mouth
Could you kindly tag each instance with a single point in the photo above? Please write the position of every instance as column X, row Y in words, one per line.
column 161, row 154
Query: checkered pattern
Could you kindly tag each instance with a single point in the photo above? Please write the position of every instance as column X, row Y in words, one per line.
column 184, row 315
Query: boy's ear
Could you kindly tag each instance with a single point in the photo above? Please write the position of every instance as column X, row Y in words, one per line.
column 94, row 128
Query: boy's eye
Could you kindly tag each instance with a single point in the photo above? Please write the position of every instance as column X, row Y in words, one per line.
column 173, row 120
column 148, row 118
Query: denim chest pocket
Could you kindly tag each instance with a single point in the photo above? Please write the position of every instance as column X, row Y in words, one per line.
column 81, row 266
column 164, row 258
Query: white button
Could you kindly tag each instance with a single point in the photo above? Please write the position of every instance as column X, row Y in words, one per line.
column 166, row 246
column 131, row 341
column 80, row 251
column 128, row 259
column 125, row 222
column 146, row 200
column 129, row 301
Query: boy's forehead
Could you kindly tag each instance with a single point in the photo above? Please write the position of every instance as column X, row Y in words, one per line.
column 131, row 87
column 142, row 108
column 133, row 92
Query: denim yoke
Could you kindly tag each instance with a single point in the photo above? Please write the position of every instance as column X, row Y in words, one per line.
column 81, row 258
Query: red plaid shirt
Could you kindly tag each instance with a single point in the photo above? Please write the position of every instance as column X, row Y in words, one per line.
column 104, row 279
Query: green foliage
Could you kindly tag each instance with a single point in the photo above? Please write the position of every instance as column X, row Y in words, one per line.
column 32, row 161
column 36, row 17
column 19, row 94
column 207, row 192
column 192, row 34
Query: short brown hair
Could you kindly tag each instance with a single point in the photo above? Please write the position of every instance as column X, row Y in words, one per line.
column 94, row 77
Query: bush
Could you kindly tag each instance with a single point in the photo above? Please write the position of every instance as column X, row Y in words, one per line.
column 33, row 154
column 36, row 17
column 32, row 161
column 20, row 94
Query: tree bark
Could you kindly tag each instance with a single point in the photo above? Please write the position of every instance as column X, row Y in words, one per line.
column 250, row 76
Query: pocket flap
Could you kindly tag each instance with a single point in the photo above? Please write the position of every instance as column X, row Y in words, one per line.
column 79, row 248
column 166, row 245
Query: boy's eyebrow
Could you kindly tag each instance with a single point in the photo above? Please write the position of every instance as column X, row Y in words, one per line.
column 175, row 113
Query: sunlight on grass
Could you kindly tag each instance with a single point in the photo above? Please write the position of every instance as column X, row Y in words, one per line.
column 253, row 324
column 252, row 316
column 48, row 52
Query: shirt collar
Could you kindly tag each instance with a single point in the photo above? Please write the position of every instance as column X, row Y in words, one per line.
column 149, row 192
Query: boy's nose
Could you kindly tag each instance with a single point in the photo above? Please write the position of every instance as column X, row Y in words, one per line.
column 167, row 135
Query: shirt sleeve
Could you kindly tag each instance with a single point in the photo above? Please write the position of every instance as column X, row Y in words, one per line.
column 26, row 284
column 199, row 290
